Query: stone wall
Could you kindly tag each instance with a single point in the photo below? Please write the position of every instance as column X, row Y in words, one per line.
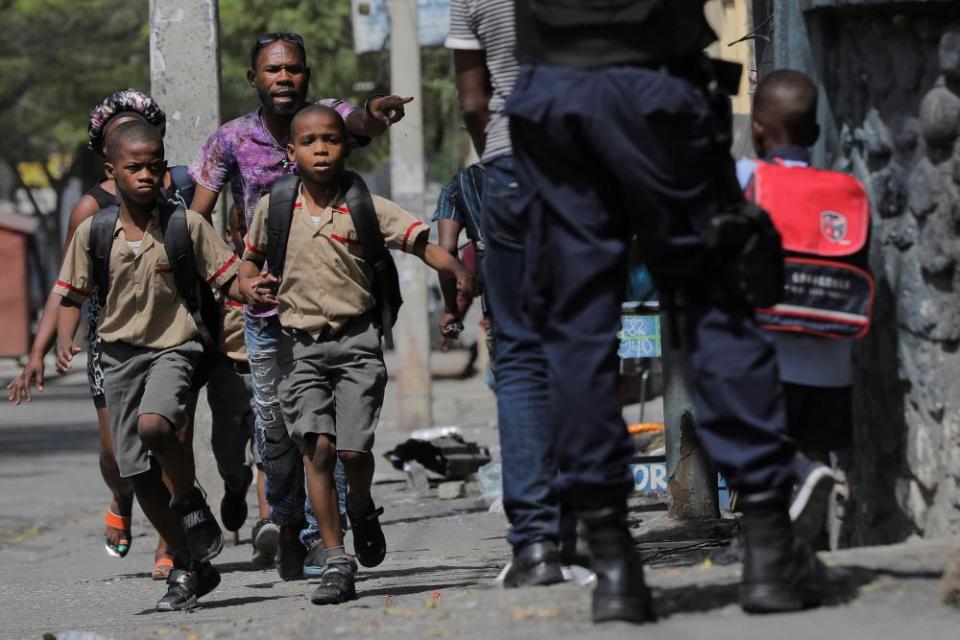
column 891, row 79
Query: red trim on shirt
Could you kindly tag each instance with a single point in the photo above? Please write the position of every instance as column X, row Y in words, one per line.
column 344, row 240
column 252, row 248
column 73, row 289
column 342, row 210
column 226, row 265
column 297, row 205
column 406, row 236
column 159, row 270
column 234, row 303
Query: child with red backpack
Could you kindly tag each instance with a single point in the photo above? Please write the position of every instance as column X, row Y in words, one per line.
column 823, row 218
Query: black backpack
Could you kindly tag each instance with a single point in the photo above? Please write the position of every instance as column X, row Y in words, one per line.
column 196, row 294
column 386, row 281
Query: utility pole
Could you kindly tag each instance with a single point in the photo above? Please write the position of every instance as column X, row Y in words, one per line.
column 407, row 178
column 691, row 477
column 185, row 80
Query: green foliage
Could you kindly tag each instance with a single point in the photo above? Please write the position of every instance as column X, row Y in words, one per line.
column 58, row 58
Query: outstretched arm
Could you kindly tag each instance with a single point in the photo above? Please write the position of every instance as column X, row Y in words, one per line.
column 435, row 257
column 68, row 320
column 255, row 288
column 380, row 112
column 33, row 371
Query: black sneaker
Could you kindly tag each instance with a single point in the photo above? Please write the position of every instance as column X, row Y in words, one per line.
column 290, row 553
column 264, row 538
column 204, row 536
column 369, row 544
column 314, row 564
column 336, row 585
column 233, row 506
column 186, row 586
column 810, row 501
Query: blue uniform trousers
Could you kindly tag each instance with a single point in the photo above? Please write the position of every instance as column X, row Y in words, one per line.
column 598, row 154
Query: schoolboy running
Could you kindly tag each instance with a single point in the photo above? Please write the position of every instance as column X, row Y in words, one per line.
column 332, row 374
column 150, row 349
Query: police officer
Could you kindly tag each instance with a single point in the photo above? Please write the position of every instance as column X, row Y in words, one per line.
column 613, row 134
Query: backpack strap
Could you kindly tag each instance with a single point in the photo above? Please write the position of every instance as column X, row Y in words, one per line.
column 283, row 195
column 386, row 284
column 101, row 241
column 183, row 185
column 179, row 248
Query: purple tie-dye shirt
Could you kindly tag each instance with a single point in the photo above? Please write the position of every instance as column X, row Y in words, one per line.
column 243, row 153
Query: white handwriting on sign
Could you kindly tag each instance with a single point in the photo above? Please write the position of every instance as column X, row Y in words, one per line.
column 650, row 477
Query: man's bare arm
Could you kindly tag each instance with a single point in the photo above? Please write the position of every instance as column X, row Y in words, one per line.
column 473, row 87
column 204, row 200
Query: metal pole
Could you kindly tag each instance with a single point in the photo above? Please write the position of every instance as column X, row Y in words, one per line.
column 185, row 80
column 691, row 477
column 407, row 178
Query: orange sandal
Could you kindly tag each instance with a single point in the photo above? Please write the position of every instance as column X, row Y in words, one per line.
column 119, row 523
column 161, row 568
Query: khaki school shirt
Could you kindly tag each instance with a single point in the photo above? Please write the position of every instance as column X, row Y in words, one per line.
column 231, row 335
column 143, row 307
column 326, row 281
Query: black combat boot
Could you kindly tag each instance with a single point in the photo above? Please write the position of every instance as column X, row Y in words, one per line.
column 535, row 564
column 780, row 573
column 621, row 593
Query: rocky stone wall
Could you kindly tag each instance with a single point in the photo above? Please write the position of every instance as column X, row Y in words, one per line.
column 892, row 84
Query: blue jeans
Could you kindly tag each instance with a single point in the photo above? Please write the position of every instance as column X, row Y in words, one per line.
column 526, row 436
column 281, row 460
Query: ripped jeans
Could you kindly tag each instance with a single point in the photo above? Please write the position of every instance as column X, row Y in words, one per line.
column 282, row 461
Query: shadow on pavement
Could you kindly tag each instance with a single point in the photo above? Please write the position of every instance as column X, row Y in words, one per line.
column 218, row 604
column 38, row 440
column 843, row 586
column 480, row 570
column 432, row 516
column 413, row 589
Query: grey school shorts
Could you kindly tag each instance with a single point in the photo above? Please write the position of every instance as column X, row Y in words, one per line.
column 137, row 381
column 333, row 386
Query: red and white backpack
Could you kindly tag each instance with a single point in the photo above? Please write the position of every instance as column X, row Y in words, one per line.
column 824, row 220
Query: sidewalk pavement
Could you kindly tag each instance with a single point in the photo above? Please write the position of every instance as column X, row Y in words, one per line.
column 438, row 579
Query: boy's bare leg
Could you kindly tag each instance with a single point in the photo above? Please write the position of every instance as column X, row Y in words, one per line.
column 337, row 580
column 262, row 507
column 359, row 466
column 319, row 458
column 121, row 502
column 154, row 499
column 162, row 440
column 369, row 543
column 202, row 533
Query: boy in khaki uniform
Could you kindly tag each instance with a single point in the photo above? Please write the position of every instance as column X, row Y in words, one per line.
column 332, row 375
column 150, row 350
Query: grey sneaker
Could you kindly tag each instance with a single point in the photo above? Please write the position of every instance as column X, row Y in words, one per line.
column 313, row 564
column 264, row 540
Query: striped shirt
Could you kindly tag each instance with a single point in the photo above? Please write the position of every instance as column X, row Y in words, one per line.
column 487, row 25
column 461, row 201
